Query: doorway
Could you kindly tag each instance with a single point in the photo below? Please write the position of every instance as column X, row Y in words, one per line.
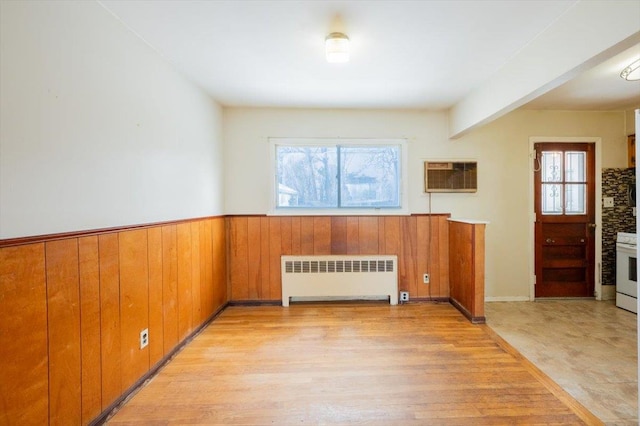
column 564, row 227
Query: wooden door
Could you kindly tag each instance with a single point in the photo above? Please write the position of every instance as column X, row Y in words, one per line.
column 565, row 219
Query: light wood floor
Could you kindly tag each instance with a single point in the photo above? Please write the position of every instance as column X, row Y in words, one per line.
column 350, row 364
column 588, row 347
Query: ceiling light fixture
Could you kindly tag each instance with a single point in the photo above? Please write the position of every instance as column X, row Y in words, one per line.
column 632, row 72
column 336, row 47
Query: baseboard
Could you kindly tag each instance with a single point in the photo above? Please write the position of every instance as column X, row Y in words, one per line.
column 507, row 299
column 466, row 313
column 324, row 300
column 429, row 299
column 254, row 303
column 139, row 384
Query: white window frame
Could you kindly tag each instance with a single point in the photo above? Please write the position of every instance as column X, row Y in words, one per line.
column 403, row 210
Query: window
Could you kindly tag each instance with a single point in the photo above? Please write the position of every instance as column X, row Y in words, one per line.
column 563, row 183
column 338, row 175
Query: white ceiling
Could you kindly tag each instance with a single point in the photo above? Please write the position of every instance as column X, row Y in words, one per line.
column 599, row 88
column 405, row 54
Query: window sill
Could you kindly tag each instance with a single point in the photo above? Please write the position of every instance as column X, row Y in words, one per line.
column 339, row 212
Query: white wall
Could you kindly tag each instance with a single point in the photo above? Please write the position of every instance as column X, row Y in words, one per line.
column 247, row 147
column 96, row 129
column 501, row 148
column 630, row 121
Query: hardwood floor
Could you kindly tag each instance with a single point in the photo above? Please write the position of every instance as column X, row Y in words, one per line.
column 350, row 364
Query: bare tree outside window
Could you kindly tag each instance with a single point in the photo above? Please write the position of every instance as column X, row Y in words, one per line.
column 338, row 176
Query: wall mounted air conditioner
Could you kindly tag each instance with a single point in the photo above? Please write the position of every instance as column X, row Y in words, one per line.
column 450, row 176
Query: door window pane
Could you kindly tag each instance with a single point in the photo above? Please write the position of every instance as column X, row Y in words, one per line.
column 551, row 166
column 575, row 166
column 575, row 198
column 563, row 180
column 551, row 198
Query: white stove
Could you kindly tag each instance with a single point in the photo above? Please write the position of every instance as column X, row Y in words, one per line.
column 626, row 272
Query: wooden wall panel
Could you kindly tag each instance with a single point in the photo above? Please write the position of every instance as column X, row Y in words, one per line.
column 63, row 316
column 169, row 288
column 339, row 235
column 306, row 234
column 424, row 249
column 156, row 328
column 322, row 235
column 110, row 318
column 460, row 239
column 286, row 239
column 265, row 258
column 239, row 260
column 134, row 304
column 72, row 308
column 368, row 235
column 254, row 258
column 219, row 249
column 255, row 249
column 196, row 304
column 443, row 252
column 24, row 380
column 89, row 270
column 296, row 245
column 422, row 252
column 466, row 257
column 408, row 254
column 206, row 270
column 275, row 251
column 433, row 266
column 185, row 298
column 478, row 272
column 381, row 234
column 353, row 235
column 392, row 237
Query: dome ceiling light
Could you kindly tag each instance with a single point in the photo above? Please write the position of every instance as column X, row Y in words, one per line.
column 632, row 72
column 336, row 47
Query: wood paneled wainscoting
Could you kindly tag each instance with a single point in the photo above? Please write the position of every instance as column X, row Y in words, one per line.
column 256, row 243
column 466, row 260
column 72, row 308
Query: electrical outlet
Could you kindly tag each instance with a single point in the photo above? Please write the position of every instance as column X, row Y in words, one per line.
column 607, row 202
column 404, row 296
column 144, row 338
column 425, row 278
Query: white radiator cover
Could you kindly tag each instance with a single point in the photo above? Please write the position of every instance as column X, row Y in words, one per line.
column 342, row 276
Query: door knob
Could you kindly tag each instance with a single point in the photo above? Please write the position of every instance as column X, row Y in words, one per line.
column 591, row 225
column 549, row 241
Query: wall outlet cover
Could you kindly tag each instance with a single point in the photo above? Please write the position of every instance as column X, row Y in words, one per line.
column 144, row 338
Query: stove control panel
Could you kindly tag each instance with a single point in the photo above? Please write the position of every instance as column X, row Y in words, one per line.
column 626, row 238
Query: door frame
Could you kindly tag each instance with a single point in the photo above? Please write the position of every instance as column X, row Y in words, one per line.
column 597, row 279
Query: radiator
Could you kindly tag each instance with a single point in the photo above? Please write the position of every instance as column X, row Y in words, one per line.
column 339, row 277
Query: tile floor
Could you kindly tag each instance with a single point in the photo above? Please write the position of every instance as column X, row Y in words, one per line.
column 587, row 347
